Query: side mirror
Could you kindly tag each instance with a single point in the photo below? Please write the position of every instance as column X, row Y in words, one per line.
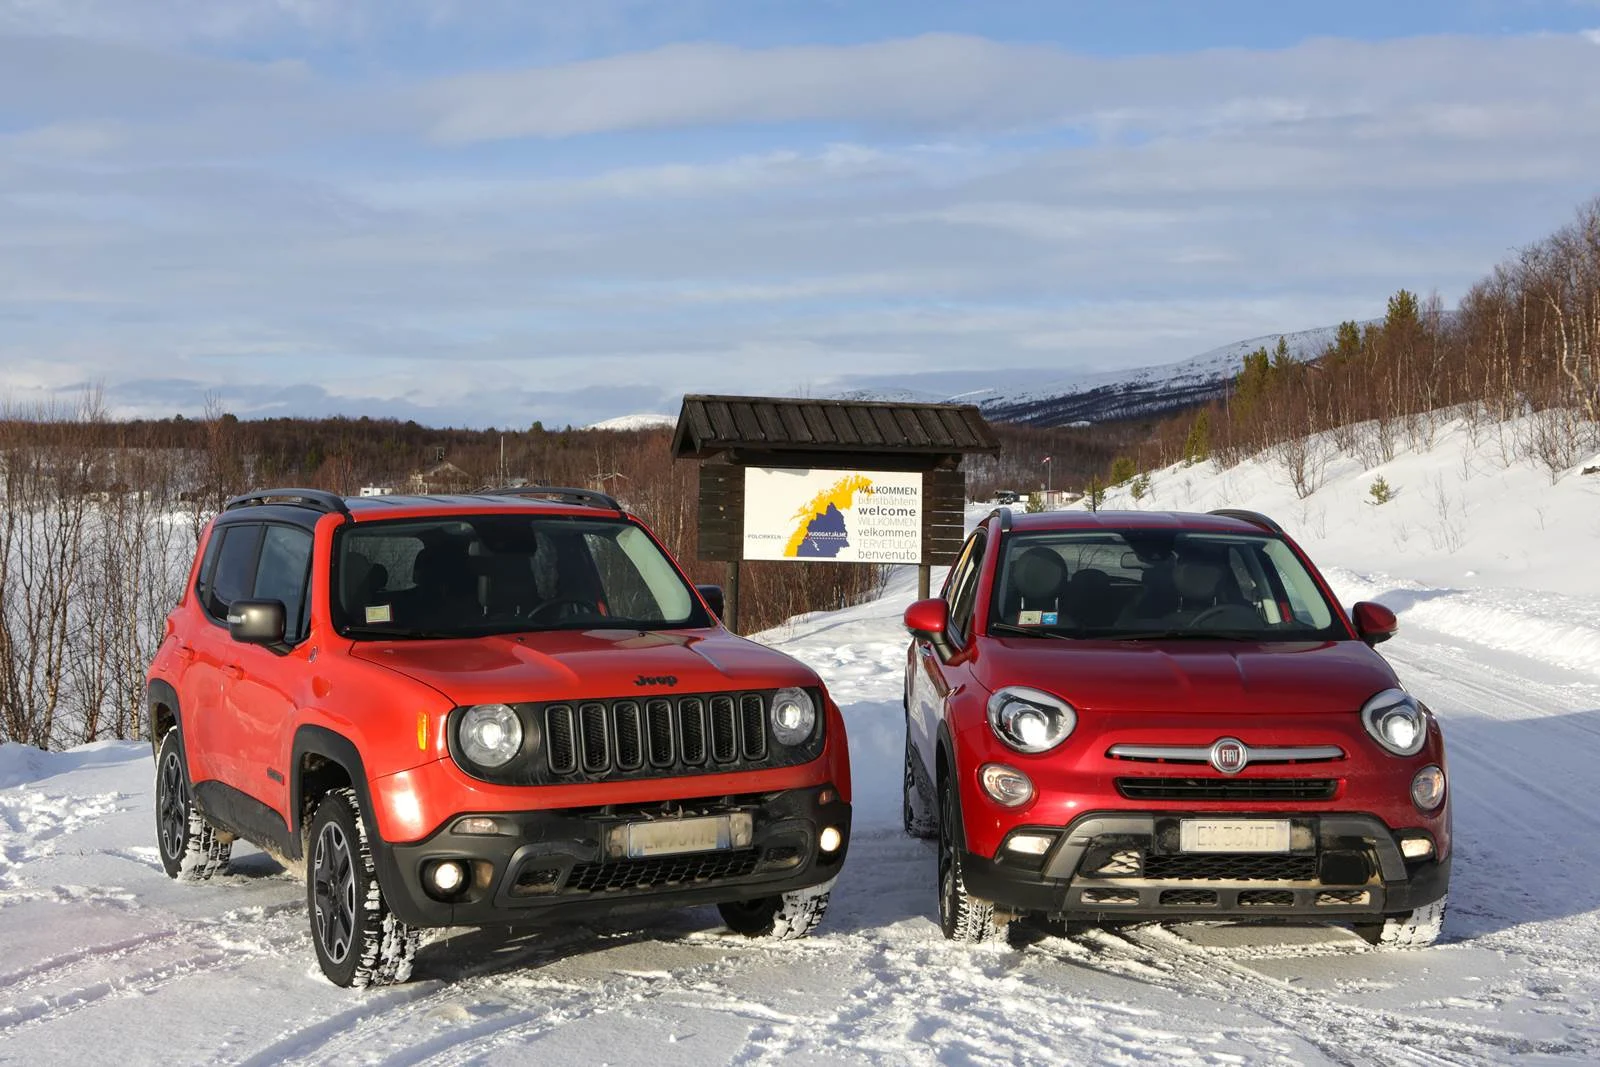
column 712, row 595
column 257, row 622
column 1374, row 622
column 928, row 618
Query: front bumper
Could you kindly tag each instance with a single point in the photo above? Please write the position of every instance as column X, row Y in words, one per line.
column 553, row 864
column 1121, row 865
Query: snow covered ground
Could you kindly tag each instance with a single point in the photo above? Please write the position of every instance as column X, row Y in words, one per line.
column 101, row 956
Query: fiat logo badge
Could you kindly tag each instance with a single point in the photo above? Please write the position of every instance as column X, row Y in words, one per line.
column 1230, row 755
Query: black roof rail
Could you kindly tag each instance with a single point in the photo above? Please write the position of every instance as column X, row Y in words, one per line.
column 588, row 497
column 1004, row 515
column 1254, row 518
column 315, row 499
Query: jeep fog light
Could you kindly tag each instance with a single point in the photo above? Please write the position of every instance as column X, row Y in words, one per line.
column 1427, row 788
column 1005, row 785
column 793, row 716
column 1416, row 848
column 446, row 877
column 830, row 839
column 490, row 734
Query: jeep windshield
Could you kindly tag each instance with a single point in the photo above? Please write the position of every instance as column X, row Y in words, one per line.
column 467, row 576
column 1142, row 584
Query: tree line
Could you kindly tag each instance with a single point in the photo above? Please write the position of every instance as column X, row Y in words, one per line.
column 1520, row 355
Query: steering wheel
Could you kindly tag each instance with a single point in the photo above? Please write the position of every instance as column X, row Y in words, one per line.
column 1243, row 616
column 563, row 607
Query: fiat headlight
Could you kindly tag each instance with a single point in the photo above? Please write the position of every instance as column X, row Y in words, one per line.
column 1395, row 721
column 490, row 734
column 1030, row 720
column 794, row 716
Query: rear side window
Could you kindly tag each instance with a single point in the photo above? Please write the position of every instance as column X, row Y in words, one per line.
column 964, row 588
column 282, row 573
column 233, row 575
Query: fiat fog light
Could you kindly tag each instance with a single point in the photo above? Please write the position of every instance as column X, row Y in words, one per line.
column 1030, row 720
column 1029, row 844
column 490, row 734
column 830, row 840
column 1416, row 848
column 1005, row 785
column 794, row 715
column 1427, row 788
column 1396, row 722
column 446, row 878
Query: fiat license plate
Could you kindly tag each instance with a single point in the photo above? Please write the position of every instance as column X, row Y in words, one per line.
column 669, row 837
column 1233, row 835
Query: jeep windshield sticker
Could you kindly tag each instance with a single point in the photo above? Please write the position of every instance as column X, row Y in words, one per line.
column 379, row 613
column 1029, row 618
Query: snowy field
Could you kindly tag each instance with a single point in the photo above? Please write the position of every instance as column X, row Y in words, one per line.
column 102, row 958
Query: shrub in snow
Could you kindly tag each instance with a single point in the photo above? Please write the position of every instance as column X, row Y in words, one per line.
column 1380, row 491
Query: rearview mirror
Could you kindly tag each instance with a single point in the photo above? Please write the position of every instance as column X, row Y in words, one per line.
column 928, row 618
column 1374, row 622
column 257, row 622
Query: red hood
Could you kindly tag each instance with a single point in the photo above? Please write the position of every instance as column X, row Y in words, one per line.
column 584, row 664
column 1213, row 677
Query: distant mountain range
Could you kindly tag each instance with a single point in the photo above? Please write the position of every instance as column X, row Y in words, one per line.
column 1034, row 398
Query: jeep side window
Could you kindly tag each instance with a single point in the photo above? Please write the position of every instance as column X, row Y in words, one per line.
column 282, row 574
column 234, row 575
column 964, row 590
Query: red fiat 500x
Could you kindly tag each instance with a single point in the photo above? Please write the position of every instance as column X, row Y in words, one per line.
column 1139, row 715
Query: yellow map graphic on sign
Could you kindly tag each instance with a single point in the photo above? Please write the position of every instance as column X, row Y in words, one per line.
column 824, row 516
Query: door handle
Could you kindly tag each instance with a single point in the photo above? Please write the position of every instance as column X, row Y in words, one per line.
column 234, row 671
column 186, row 653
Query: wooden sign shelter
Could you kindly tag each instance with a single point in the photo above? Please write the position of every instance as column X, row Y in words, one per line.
column 732, row 436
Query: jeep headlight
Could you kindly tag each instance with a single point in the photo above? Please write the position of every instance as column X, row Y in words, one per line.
column 793, row 715
column 1030, row 720
column 1395, row 721
column 490, row 734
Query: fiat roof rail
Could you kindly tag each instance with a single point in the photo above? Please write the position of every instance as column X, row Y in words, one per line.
column 315, row 499
column 587, row 497
column 1254, row 518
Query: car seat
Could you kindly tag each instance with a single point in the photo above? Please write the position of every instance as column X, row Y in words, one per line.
column 1036, row 580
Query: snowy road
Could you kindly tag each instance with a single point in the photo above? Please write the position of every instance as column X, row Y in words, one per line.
column 102, row 958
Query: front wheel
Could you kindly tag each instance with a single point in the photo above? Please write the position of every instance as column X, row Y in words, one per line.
column 1411, row 929
column 916, row 806
column 962, row 916
column 359, row 942
column 781, row 918
column 192, row 850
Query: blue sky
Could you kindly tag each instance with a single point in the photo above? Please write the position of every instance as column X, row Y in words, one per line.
column 486, row 212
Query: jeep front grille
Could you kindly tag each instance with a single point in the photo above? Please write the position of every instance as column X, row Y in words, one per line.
column 700, row 733
column 1227, row 788
column 661, row 873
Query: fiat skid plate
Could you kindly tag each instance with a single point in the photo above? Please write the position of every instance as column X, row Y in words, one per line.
column 1195, row 864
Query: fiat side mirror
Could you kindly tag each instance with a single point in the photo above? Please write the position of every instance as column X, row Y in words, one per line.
column 1374, row 622
column 928, row 618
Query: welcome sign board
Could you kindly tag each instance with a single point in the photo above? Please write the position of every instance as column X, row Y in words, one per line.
column 839, row 515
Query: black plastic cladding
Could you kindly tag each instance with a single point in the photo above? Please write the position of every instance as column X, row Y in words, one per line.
column 619, row 739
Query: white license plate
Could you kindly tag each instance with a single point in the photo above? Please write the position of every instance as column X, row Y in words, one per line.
column 1233, row 835
column 668, row 837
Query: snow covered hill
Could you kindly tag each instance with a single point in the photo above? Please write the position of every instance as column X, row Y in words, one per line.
column 101, row 955
column 1038, row 398
column 648, row 421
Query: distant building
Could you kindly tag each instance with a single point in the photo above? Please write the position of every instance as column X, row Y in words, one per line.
column 442, row 478
column 376, row 490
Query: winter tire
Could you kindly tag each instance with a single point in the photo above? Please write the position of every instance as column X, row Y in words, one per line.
column 915, row 807
column 1411, row 929
column 782, row 918
column 192, row 850
column 358, row 940
column 962, row 917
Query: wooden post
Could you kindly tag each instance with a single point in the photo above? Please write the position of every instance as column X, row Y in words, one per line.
column 730, row 614
column 924, row 576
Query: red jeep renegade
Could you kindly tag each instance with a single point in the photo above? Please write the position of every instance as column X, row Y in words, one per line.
column 1152, row 716
column 489, row 709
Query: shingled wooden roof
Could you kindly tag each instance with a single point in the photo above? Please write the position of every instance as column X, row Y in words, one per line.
column 711, row 424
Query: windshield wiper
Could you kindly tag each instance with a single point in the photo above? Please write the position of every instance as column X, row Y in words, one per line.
column 1030, row 631
column 377, row 634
